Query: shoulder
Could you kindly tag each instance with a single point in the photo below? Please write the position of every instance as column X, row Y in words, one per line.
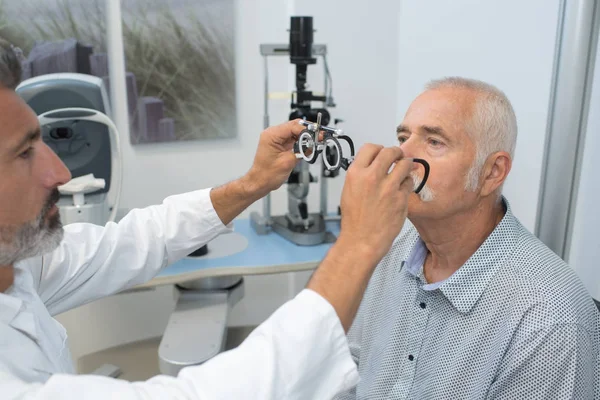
column 556, row 293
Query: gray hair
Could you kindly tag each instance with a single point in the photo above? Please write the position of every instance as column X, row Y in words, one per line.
column 11, row 69
column 493, row 124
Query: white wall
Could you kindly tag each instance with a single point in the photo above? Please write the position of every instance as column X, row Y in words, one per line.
column 364, row 67
column 584, row 252
column 366, row 102
column 153, row 172
column 508, row 43
column 380, row 55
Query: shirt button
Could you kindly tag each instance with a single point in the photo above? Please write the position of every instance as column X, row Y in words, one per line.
column 410, row 357
column 422, row 305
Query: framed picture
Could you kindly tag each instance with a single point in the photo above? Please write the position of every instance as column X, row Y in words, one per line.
column 179, row 57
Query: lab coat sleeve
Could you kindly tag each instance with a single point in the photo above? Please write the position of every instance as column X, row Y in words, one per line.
column 354, row 340
column 94, row 261
column 300, row 352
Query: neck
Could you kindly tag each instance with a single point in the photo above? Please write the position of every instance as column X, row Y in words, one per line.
column 452, row 241
column 7, row 277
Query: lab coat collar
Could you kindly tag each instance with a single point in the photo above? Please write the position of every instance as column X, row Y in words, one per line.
column 13, row 310
column 9, row 307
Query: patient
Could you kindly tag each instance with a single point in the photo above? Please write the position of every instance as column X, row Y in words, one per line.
column 468, row 304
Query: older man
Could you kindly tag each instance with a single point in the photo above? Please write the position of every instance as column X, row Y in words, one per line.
column 468, row 304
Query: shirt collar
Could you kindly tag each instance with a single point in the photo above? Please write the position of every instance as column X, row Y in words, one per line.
column 414, row 264
column 468, row 283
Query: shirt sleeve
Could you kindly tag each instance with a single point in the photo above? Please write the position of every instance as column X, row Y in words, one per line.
column 94, row 261
column 300, row 352
column 556, row 362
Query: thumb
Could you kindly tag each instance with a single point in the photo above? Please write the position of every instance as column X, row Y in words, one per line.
column 289, row 159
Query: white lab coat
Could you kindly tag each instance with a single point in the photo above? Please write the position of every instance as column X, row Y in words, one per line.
column 300, row 352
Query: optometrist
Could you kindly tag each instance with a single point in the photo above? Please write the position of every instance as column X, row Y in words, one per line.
column 300, row 352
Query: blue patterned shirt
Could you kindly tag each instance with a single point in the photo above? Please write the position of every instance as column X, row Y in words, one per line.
column 514, row 322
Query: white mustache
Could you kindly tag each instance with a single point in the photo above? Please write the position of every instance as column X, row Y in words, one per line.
column 426, row 194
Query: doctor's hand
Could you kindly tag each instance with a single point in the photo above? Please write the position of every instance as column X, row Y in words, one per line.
column 374, row 207
column 374, row 201
column 273, row 164
column 274, row 159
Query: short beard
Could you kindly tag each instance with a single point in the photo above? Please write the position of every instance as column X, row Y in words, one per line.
column 426, row 194
column 33, row 238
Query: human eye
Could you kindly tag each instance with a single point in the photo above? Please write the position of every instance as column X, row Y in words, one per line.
column 436, row 143
column 26, row 153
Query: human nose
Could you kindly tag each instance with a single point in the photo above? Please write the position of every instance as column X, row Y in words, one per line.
column 410, row 151
column 55, row 172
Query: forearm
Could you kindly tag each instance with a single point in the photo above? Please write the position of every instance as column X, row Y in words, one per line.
column 342, row 278
column 231, row 199
column 94, row 261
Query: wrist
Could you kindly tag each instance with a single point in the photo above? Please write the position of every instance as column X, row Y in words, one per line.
column 356, row 249
column 232, row 198
column 251, row 188
column 342, row 278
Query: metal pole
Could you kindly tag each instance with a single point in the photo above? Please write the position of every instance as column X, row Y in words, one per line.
column 267, row 198
column 569, row 101
column 116, row 67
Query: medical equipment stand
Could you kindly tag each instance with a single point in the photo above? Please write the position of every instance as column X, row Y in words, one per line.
column 298, row 225
column 197, row 328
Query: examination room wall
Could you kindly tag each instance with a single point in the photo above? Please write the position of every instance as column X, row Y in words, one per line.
column 366, row 101
column 509, row 43
column 380, row 56
column 585, row 244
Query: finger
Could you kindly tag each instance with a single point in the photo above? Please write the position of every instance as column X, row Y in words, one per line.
column 401, row 174
column 407, row 185
column 386, row 158
column 289, row 160
column 285, row 134
column 321, row 136
column 367, row 154
column 295, row 128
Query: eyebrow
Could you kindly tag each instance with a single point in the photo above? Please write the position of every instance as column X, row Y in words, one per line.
column 432, row 130
column 31, row 136
column 402, row 129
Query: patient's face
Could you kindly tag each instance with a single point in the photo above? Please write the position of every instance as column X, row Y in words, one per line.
column 434, row 128
column 29, row 175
